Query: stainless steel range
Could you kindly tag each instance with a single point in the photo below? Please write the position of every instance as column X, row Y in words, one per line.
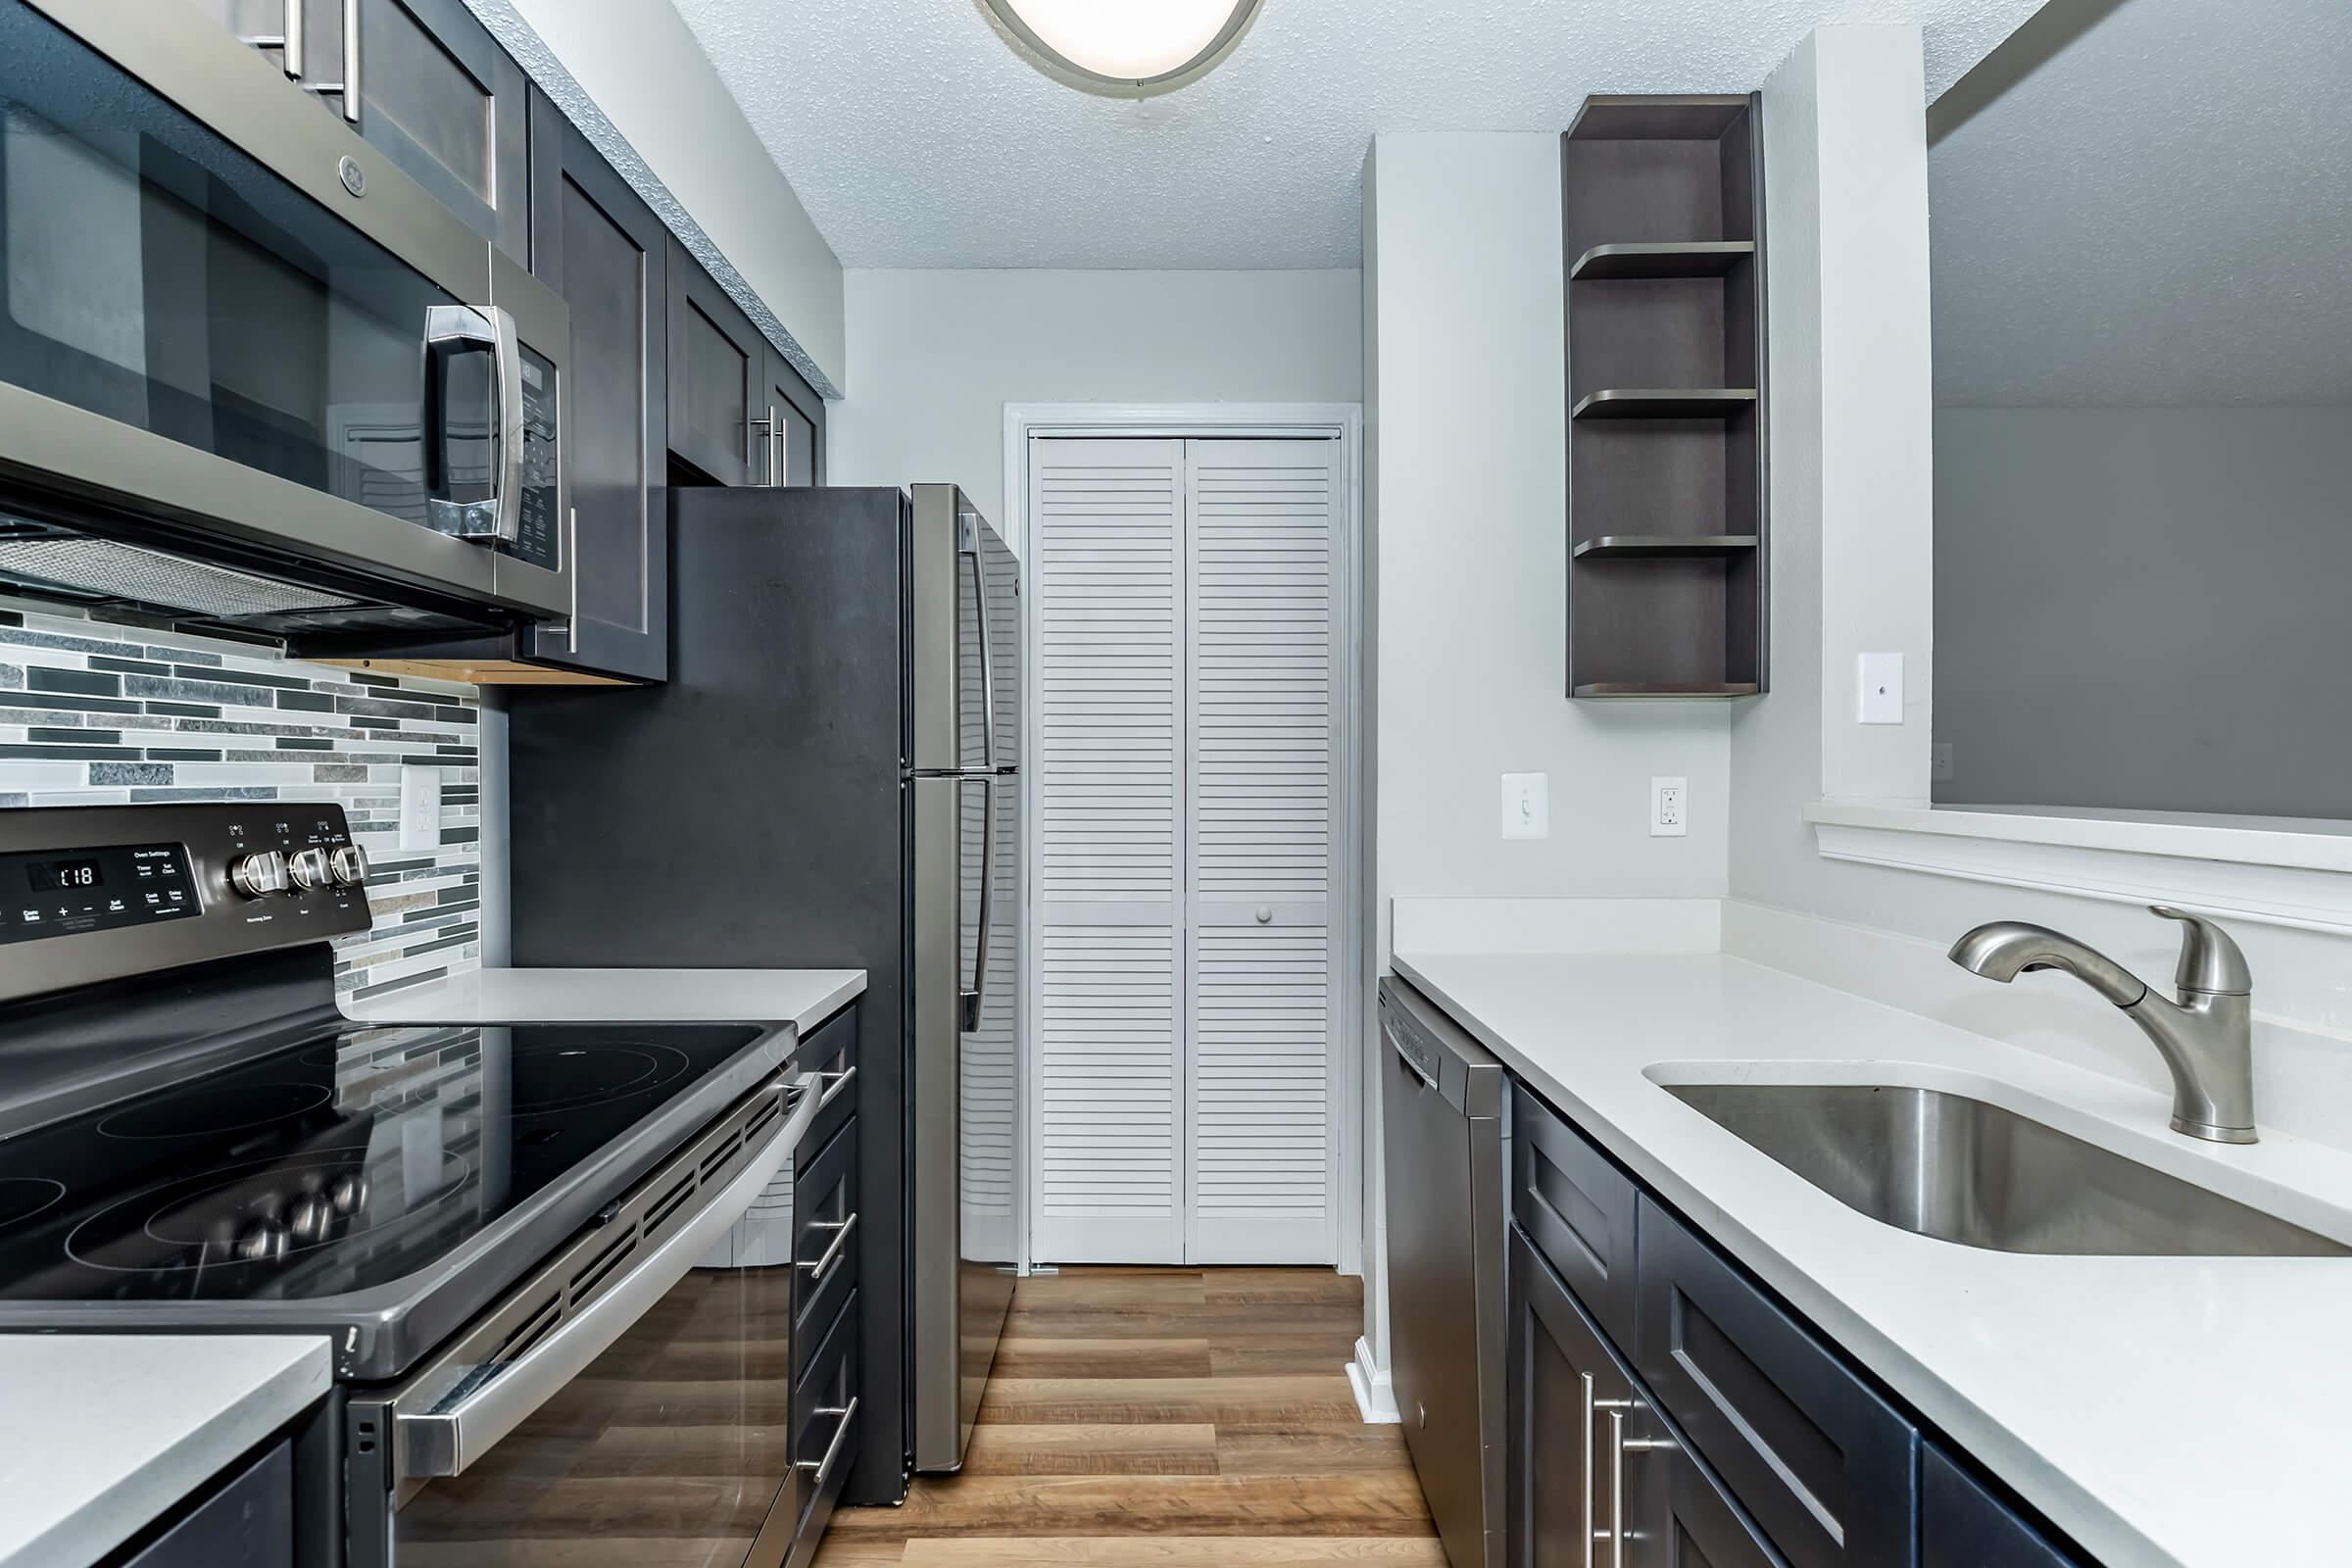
column 499, row 1227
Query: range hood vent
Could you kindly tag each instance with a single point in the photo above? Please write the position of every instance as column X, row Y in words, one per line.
column 109, row 571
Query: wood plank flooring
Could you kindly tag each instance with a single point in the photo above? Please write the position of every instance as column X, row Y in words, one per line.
column 1165, row 1418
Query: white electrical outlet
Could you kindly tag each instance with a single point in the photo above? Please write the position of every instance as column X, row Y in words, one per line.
column 419, row 808
column 1940, row 762
column 1882, row 689
column 1669, row 808
column 1526, row 806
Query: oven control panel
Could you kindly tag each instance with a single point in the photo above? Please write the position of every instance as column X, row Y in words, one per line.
column 100, row 893
column 62, row 893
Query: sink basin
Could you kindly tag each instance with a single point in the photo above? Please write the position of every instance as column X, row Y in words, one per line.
column 1964, row 1171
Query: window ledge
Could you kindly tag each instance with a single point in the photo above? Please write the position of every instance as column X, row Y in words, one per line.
column 2288, row 871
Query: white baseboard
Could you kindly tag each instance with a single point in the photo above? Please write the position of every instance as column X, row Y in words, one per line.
column 1374, row 1395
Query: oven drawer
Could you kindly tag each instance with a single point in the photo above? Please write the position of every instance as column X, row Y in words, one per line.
column 825, row 1432
column 831, row 1053
column 825, row 1238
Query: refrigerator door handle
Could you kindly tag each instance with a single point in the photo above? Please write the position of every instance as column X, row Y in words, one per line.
column 978, row 990
column 988, row 666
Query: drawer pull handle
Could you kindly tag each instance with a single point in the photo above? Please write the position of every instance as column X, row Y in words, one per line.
column 819, row 1267
column 835, row 1083
column 1619, row 1444
column 824, row 1467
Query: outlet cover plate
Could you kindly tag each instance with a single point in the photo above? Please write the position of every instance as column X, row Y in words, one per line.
column 1526, row 806
column 419, row 808
column 1669, row 808
column 1882, row 676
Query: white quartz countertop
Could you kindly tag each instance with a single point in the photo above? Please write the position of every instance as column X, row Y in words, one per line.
column 801, row 997
column 2194, row 1412
column 101, row 1435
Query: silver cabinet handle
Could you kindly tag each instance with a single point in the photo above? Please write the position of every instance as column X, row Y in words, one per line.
column 348, row 89
column 1586, row 1515
column 771, row 446
column 1619, row 1446
column 824, row 1467
column 836, row 1084
column 287, row 40
column 819, row 1267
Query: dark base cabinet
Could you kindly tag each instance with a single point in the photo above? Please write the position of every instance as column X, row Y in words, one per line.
column 1731, row 1436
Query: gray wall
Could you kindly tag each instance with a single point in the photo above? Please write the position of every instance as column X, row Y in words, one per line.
column 2144, row 608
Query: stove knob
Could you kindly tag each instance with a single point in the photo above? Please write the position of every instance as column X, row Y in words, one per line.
column 349, row 1195
column 350, row 863
column 310, row 1219
column 262, row 1242
column 310, row 869
column 260, row 874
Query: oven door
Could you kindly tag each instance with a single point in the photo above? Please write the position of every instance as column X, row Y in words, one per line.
column 227, row 319
column 627, row 1404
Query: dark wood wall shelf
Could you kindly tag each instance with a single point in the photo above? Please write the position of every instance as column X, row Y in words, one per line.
column 1650, row 547
column 1654, row 260
column 1663, row 402
column 1662, row 209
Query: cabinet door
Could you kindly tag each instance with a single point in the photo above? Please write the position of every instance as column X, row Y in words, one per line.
column 1824, row 1464
column 717, row 370
column 601, row 248
column 788, row 429
column 1681, row 1515
column 1562, row 1386
column 436, row 94
column 249, row 1521
column 1963, row 1525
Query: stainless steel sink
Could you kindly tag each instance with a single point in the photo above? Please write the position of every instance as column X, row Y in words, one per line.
column 1963, row 1170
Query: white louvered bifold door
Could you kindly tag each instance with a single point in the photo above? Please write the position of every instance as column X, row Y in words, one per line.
column 1260, row 965
column 1105, row 518
column 1187, row 660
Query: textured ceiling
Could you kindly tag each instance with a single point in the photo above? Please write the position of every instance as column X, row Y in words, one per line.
column 917, row 137
column 2162, row 214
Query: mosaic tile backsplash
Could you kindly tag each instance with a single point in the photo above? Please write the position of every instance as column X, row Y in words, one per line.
column 93, row 713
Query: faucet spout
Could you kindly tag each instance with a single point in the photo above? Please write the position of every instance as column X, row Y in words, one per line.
column 2007, row 948
column 2206, row 1037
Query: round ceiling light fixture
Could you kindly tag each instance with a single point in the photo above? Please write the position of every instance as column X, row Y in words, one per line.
column 1125, row 45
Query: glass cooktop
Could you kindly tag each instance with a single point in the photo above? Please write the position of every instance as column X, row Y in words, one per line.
column 329, row 1168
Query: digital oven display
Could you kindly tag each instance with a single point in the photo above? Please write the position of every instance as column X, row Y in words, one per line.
column 53, row 876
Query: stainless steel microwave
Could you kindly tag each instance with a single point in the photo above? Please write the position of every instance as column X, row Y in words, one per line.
column 252, row 375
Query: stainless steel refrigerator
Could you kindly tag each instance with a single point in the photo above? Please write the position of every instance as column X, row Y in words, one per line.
column 830, row 777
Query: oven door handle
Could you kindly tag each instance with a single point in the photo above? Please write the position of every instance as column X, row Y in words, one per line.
column 445, row 1441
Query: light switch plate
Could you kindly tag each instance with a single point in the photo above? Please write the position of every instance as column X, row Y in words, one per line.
column 419, row 808
column 1526, row 806
column 1669, row 808
column 1882, row 689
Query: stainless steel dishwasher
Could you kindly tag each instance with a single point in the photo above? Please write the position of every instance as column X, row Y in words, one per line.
column 1442, row 1121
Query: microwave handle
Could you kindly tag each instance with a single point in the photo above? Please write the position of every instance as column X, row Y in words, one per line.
column 478, row 329
column 446, row 1441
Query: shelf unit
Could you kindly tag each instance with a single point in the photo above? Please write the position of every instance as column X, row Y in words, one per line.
column 1662, row 209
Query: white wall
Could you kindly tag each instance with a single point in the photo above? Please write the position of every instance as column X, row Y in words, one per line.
column 2091, row 562
column 1464, row 246
column 1844, row 150
column 935, row 355
column 636, row 65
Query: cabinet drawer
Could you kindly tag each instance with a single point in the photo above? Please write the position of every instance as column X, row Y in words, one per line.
column 249, row 1520
column 824, row 1239
column 826, row 1412
column 1963, row 1525
column 1577, row 1208
column 1824, row 1464
column 830, row 1051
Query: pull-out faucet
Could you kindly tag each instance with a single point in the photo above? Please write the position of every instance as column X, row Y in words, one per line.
column 2206, row 1037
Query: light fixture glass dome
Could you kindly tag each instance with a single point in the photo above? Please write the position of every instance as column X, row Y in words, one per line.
column 1125, row 43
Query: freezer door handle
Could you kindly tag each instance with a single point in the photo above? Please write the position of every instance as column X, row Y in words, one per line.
column 973, row 995
column 988, row 663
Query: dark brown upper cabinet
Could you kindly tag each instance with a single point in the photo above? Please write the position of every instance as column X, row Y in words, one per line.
column 435, row 94
column 596, row 243
column 1662, row 214
column 717, row 375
